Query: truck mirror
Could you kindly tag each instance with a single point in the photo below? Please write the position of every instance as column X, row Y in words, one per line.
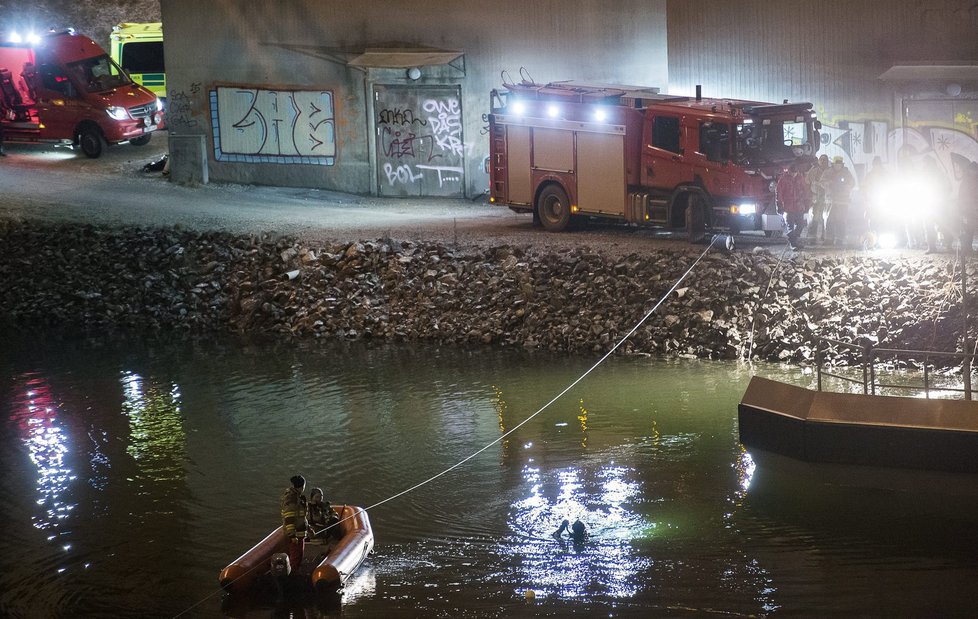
column 818, row 125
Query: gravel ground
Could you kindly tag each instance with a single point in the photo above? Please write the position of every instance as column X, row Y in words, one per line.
column 58, row 185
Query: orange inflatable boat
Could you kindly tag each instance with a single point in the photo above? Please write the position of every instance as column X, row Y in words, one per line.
column 342, row 559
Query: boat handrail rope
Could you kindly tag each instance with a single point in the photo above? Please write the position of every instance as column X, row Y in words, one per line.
column 516, row 427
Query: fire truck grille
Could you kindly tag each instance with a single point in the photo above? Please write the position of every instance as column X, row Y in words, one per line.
column 142, row 111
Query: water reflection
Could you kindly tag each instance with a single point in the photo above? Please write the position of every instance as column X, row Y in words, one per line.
column 36, row 415
column 606, row 564
column 157, row 440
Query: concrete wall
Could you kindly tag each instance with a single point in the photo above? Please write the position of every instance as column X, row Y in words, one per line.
column 832, row 53
column 264, row 50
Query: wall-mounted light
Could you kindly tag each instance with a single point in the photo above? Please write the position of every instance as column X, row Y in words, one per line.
column 414, row 73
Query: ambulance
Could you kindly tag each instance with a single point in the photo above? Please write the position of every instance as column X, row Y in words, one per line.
column 138, row 49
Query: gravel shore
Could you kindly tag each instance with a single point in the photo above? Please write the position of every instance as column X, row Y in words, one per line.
column 759, row 304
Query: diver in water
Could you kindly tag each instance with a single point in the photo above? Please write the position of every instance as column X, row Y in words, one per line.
column 578, row 532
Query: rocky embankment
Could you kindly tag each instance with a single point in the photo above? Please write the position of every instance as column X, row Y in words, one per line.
column 81, row 278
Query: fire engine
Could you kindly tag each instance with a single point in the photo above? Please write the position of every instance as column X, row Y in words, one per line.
column 63, row 88
column 569, row 150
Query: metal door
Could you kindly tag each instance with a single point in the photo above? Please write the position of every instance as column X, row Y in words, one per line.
column 420, row 146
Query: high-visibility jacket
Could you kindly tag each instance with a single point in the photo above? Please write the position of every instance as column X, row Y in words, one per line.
column 294, row 512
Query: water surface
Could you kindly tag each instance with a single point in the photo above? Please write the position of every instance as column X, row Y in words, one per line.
column 132, row 473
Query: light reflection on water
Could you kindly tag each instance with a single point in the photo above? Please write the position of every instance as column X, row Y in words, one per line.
column 36, row 415
column 155, row 467
column 605, row 565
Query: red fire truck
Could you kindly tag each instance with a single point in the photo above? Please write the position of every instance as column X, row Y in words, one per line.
column 63, row 88
column 567, row 150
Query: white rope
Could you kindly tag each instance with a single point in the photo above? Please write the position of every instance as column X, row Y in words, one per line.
column 559, row 395
column 520, row 424
column 750, row 352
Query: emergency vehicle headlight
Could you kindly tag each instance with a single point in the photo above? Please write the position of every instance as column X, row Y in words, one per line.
column 33, row 38
column 15, row 37
column 746, row 208
column 159, row 104
column 600, row 115
column 552, row 111
column 519, row 108
column 116, row 112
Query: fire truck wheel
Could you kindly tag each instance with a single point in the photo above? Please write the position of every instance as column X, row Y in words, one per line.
column 695, row 219
column 91, row 142
column 142, row 140
column 553, row 207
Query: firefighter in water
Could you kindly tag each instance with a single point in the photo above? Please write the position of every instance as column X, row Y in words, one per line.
column 294, row 518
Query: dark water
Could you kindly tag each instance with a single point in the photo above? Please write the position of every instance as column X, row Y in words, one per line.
column 132, row 474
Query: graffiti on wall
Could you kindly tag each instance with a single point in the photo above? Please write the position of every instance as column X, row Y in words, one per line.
column 258, row 125
column 859, row 142
column 420, row 149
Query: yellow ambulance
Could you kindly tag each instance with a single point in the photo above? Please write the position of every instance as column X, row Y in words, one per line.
column 138, row 48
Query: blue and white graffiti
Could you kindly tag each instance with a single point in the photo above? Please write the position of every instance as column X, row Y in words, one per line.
column 257, row 125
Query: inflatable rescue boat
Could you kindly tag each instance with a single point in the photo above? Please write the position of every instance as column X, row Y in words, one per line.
column 343, row 557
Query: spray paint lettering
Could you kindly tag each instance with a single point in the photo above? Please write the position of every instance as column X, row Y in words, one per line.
column 446, row 124
column 274, row 126
column 397, row 116
column 401, row 174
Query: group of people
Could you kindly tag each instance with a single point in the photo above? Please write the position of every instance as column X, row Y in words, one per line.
column 823, row 189
column 306, row 519
column 915, row 205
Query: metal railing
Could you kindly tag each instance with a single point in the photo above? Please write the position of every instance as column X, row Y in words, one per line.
column 870, row 357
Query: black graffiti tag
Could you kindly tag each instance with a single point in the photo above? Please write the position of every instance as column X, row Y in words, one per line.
column 398, row 116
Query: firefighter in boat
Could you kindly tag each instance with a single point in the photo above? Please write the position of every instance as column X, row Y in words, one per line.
column 294, row 518
column 323, row 519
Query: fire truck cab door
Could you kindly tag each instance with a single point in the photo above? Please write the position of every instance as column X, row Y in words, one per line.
column 663, row 158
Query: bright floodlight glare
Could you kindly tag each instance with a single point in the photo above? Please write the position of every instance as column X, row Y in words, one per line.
column 552, row 111
column 519, row 108
column 600, row 115
column 15, row 38
column 887, row 240
column 747, row 208
column 33, row 38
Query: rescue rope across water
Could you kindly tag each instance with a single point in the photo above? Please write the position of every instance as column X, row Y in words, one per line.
column 784, row 252
column 503, row 436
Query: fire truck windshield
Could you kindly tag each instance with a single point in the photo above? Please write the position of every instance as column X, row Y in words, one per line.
column 772, row 140
column 98, row 74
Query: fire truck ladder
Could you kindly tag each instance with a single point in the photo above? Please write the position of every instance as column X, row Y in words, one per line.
column 499, row 163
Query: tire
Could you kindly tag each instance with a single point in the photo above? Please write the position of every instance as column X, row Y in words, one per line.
column 142, row 140
column 91, row 142
column 695, row 219
column 553, row 208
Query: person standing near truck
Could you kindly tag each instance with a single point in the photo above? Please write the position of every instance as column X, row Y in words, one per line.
column 814, row 177
column 793, row 199
column 838, row 182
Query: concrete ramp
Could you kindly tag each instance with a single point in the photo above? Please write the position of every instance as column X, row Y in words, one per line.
column 842, row 428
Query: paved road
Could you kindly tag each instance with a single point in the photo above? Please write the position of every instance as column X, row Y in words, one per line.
column 58, row 185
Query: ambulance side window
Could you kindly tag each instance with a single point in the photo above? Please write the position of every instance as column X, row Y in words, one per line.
column 53, row 79
column 665, row 133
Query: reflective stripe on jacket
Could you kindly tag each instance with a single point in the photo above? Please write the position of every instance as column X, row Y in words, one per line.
column 293, row 512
